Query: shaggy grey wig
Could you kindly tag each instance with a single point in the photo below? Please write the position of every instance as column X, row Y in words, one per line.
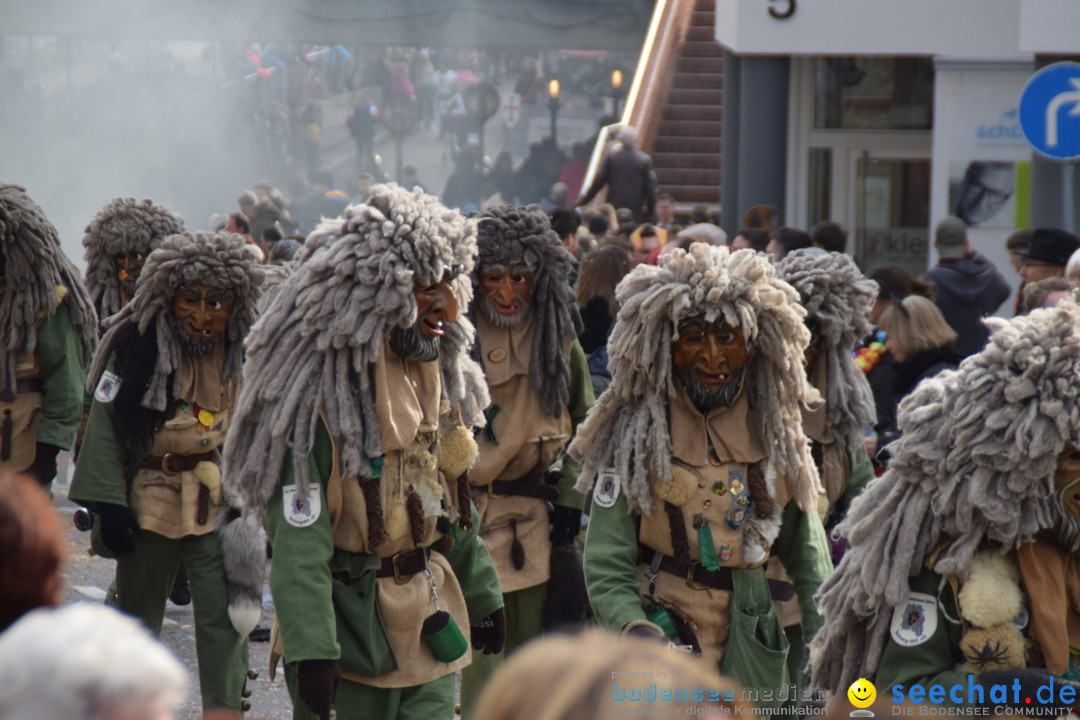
column 218, row 260
column 837, row 298
column 313, row 350
column 124, row 225
column 34, row 265
column 627, row 428
column 975, row 464
column 522, row 236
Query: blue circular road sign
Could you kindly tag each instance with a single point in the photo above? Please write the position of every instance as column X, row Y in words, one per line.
column 1050, row 111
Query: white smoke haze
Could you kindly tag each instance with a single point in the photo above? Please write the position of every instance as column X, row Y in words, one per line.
column 85, row 120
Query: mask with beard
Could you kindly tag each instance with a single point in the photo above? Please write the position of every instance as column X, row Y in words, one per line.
column 505, row 294
column 410, row 344
column 1065, row 506
column 435, row 304
column 706, row 398
column 200, row 317
column 710, row 359
column 191, row 345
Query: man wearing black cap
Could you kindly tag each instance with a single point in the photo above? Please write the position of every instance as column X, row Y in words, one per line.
column 1047, row 254
column 967, row 286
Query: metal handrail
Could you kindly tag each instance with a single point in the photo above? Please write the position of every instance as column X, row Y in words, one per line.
column 642, row 106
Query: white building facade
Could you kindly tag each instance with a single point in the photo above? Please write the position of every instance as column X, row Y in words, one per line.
column 888, row 116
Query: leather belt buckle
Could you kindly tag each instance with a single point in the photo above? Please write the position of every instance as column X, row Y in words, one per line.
column 692, row 582
column 165, row 464
column 399, row 578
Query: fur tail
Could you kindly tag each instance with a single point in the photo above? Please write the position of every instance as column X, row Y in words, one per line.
column 243, row 544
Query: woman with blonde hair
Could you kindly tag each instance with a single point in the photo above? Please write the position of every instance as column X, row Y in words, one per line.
column 599, row 676
column 921, row 342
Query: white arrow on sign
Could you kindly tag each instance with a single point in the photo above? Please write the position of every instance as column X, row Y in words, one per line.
column 1052, row 108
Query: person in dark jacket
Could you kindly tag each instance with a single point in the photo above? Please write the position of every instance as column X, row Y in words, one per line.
column 967, row 286
column 629, row 176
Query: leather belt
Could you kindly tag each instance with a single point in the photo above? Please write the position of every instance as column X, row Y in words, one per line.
column 719, row 579
column 22, row 387
column 171, row 464
column 403, row 565
column 523, row 488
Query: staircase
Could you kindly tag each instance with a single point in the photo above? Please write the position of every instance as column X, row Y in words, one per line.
column 686, row 148
column 675, row 104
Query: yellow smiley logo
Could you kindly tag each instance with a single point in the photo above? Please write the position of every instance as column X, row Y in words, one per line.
column 862, row 693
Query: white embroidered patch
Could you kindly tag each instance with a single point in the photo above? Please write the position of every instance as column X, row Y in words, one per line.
column 107, row 388
column 914, row 621
column 302, row 511
column 607, row 488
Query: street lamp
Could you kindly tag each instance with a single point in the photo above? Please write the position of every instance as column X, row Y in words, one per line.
column 553, row 105
column 616, row 88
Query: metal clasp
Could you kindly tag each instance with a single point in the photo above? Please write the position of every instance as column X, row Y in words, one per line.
column 165, row 464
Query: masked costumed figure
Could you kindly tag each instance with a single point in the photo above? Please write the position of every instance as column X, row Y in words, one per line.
column 352, row 446
column 165, row 379
column 47, row 335
column 527, row 324
column 962, row 569
column 837, row 298
column 701, row 466
column 117, row 242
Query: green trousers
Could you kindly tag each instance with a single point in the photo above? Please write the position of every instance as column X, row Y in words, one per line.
column 356, row 701
column 524, row 621
column 144, row 580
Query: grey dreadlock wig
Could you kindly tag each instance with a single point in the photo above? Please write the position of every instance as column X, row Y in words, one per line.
column 837, row 298
column 34, row 265
column 628, row 426
column 508, row 235
column 123, row 225
column 975, row 463
column 314, row 349
column 218, row 260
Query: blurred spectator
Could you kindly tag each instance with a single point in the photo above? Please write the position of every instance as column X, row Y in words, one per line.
column 1046, row 293
column 1072, row 269
column 311, row 117
column 646, row 240
column 557, row 199
column 967, row 286
column 86, row 662
column 783, row 240
column 629, row 177
column 753, row 238
column 665, row 211
column 921, row 342
column 364, row 183
column 1017, row 244
column 567, row 677
column 269, row 237
column 565, row 223
column 361, row 122
column 762, row 216
column 1048, row 253
column 502, row 175
column 247, row 201
column 409, row 178
column 574, row 169
column 830, row 235
column 32, row 549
